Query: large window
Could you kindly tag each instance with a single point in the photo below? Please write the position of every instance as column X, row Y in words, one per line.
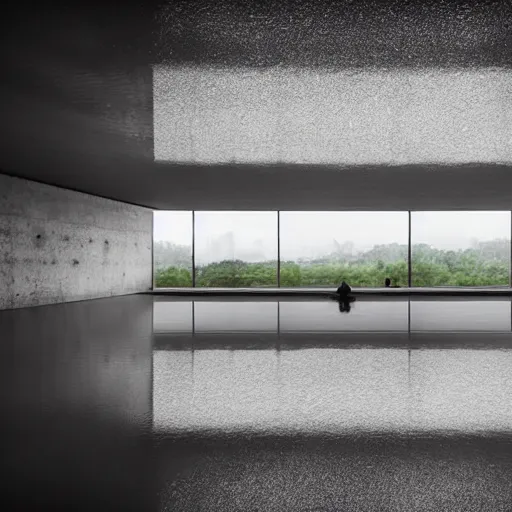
column 172, row 249
column 236, row 249
column 242, row 249
column 460, row 248
column 362, row 248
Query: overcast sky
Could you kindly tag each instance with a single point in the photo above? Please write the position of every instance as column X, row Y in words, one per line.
column 304, row 232
column 352, row 117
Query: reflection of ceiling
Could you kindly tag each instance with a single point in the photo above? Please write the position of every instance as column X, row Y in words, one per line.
column 336, row 391
column 77, row 99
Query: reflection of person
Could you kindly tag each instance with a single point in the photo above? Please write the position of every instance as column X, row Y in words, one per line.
column 344, row 304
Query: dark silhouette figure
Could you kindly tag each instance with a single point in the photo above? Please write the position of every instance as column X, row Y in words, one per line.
column 344, row 304
column 387, row 283
column 343, row 289
column 342, row 296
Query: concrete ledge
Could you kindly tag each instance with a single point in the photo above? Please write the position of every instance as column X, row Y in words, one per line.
column 329, row 292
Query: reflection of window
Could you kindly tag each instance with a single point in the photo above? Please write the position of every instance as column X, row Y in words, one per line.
column 236, row 249
column 464, row 390
column 461, row 315
column 362, row 248
column 460, row 248
column 235, row 317
column 172, row 316
column 172, row 248
column 258, row 390
column 322, row 316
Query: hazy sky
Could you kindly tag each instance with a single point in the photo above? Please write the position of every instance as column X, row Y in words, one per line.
column 303, row 232
column 352, row 118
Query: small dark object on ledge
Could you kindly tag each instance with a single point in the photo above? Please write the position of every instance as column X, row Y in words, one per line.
column 387, row 283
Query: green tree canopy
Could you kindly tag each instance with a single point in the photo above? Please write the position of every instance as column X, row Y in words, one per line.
column 486, row 263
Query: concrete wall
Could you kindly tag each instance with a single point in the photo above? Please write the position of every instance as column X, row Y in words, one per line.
column 57, row 245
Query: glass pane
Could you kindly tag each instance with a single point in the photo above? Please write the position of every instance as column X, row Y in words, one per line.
column 172, row 249
column 236, row 249
column 361, row 248
column 460, row 248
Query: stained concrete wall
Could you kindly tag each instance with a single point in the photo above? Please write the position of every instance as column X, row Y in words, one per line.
column 57, row 245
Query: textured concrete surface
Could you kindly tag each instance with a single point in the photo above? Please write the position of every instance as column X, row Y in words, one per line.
column 354, row 473
column 59, row 245
column 332, row 391
column 319, row 117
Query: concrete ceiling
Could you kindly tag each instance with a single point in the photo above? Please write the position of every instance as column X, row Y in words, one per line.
column 77, row 100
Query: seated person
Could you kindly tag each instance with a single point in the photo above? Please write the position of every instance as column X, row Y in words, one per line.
column 344, row 289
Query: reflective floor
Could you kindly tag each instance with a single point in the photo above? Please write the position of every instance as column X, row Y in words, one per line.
column 236, row 404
